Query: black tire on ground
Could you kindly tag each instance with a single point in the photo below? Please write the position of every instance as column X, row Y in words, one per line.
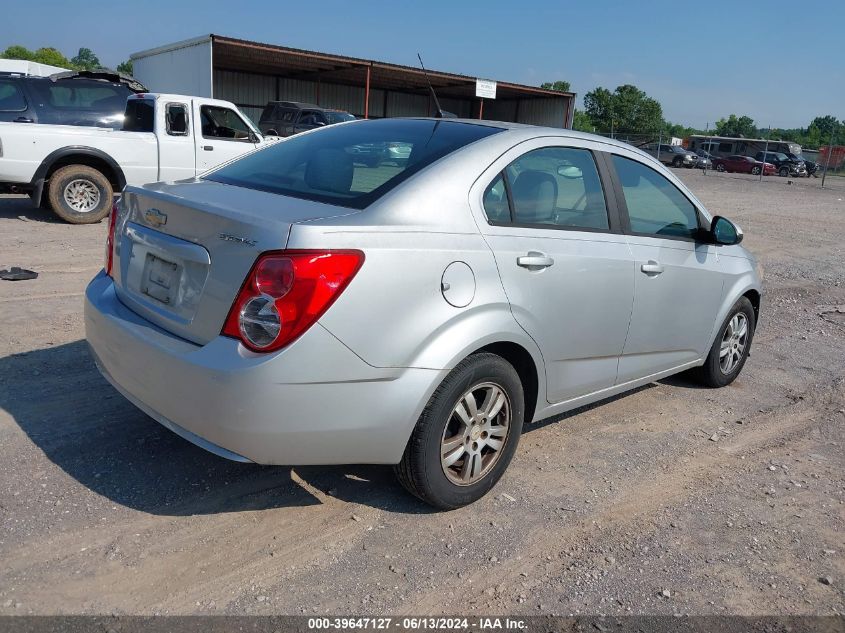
column 755, row 170
column 676, row 162
column 421, row 471
column 720, row 167
column 87, row 177
column 711, row 373
column 783, row 172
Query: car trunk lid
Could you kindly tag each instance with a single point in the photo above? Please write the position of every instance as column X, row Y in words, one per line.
column 183, row 250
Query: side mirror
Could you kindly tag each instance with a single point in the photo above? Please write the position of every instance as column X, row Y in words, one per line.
column 725, row 232
column 570, row 171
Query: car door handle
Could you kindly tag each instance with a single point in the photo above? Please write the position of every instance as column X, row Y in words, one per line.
column 208, row 148
column 23, row 119
column 652, row 268
column 534, row 260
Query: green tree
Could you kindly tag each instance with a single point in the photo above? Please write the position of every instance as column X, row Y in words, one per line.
column 736, row 126
column 582, row 122
column 85, row 59
column 51, row 56
column 560, row 86
column 626, row 109
column 17, row 52
column 125, row 67
column 826, row 126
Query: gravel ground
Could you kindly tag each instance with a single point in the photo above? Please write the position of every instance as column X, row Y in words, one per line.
column 671, row 499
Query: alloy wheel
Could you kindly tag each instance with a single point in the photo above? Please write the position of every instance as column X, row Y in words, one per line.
column 475, row 434
column 733, row 344
column 82, row 195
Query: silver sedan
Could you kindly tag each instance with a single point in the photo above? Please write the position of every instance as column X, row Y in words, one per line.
column 298, row 307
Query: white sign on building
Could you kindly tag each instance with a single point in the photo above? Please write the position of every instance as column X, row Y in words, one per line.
column 485, row 88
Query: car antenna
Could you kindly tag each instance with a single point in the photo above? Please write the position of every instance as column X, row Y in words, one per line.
column 441, row 113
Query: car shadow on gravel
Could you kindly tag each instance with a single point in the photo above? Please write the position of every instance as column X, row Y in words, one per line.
column 85, row 427
column 21, row 207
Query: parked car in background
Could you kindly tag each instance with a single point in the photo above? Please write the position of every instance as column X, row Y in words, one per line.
column 88, row 98
column 293, row 307
column 705, row 160
column 785, row 165
column 811, row 166
column 286, row 118
column 673, row 155
column 77, row 170
column 743, row 165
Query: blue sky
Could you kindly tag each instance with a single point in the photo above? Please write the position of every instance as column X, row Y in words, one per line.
column 782, row 63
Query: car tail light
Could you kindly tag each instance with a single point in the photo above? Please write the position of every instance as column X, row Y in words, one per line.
column 285, row 293
column 110, row 240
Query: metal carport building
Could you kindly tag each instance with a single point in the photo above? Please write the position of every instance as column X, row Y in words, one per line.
column 250, row 74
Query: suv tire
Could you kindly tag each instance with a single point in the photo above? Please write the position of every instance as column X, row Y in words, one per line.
column 80, row 194
column 441, row 457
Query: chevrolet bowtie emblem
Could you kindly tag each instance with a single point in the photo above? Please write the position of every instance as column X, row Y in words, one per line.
column 155, row 217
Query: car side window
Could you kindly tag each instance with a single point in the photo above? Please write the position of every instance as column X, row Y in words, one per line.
column 11, row 97
column 222, row 123
column 655, row 205
column 176, row 119
column 552, row 186
column 496, row 201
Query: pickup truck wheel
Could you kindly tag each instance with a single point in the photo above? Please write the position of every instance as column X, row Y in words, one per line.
column 466, row 435
column 80, row 194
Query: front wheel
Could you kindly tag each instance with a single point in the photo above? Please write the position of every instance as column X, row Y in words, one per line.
column 466, row 435
column 783, row 172
column 80, row 194
column 730, row 349
column 720, row 167
column 755, row 171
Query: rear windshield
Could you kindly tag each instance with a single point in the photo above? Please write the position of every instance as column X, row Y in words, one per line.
column 349, row 165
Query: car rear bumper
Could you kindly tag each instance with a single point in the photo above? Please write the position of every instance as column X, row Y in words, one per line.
column 315, row 402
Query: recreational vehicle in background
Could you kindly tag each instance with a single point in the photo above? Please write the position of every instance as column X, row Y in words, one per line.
column 720, row 146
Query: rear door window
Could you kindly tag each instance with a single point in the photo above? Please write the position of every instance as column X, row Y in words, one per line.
column 11, row 97
column 176, row 119
column 552, row 187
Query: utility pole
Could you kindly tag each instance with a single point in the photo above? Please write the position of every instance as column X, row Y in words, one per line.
column 829, row 152
column 765, row 154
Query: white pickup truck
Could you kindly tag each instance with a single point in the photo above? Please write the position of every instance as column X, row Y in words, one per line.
column 77, row 170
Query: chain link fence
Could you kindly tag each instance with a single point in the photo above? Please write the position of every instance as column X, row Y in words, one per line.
column 760, row 157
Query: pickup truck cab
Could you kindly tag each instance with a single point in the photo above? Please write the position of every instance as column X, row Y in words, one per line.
column 76, row 170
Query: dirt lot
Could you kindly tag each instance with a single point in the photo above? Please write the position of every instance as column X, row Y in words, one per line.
column 672, row 499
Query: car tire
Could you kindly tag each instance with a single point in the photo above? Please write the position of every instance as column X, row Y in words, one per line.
column 783, row 172
column 677, row 161
column 79, row 194
column 755, row 171
column 720, row 168
column 735, row 335
column 430, row 455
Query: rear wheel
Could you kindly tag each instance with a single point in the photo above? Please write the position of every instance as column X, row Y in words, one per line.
column 730, row 349
column 80, row 194
column 466, row 435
